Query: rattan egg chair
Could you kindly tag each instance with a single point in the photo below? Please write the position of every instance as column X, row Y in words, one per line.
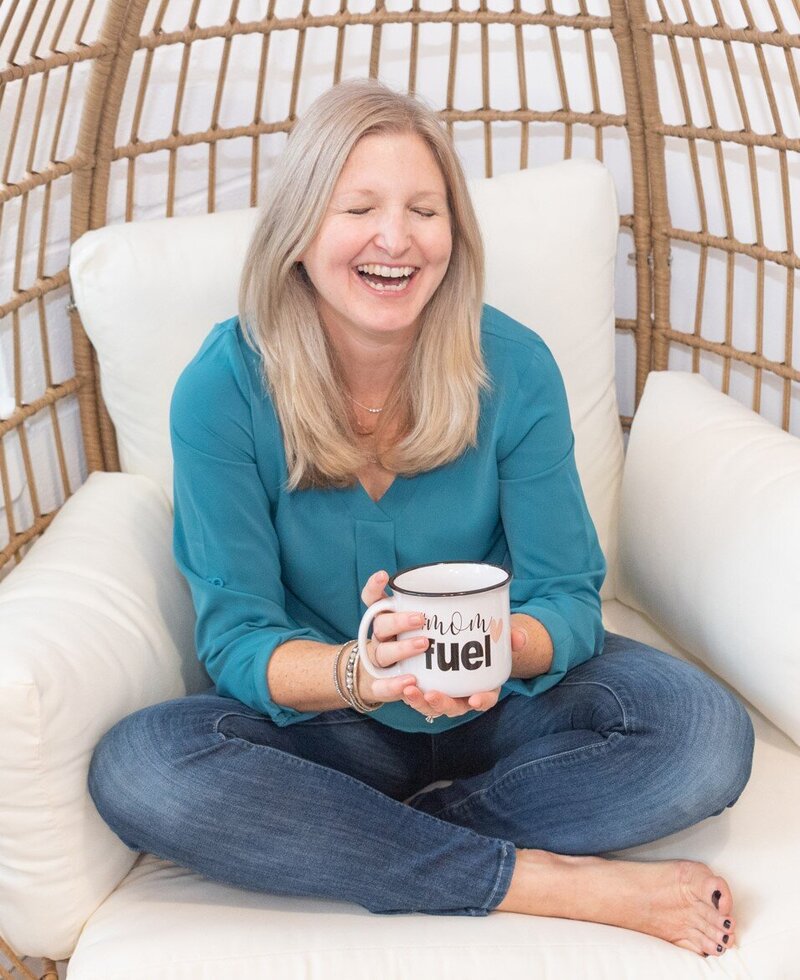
column 128, row 111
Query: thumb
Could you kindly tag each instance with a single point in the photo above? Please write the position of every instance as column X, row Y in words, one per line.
column 374, row 589
column 518, row 640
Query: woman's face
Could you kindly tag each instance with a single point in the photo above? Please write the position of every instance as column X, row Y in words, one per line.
column 385, row 241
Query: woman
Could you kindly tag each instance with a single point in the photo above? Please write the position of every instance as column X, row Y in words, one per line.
column 366, row 413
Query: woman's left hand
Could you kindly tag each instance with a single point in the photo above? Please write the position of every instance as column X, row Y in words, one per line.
column 443, row 704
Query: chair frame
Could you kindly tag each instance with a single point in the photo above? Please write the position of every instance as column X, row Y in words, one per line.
column 123, row 36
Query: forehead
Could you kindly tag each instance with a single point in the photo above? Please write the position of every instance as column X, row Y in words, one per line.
column 390, row 159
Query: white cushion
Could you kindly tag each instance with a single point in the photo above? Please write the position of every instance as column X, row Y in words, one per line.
column 95, row 623
column 550, row 237
column 710, row 537
column 149, row 293
column 166, row 923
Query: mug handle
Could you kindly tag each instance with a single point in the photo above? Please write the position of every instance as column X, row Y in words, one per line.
column 382, row 605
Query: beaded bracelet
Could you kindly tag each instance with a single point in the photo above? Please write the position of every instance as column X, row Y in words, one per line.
column 355, row 699
column 336, row 673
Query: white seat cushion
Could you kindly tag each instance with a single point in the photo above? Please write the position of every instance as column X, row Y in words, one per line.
column 165, row 923
column 710, row 537
column 149, row 293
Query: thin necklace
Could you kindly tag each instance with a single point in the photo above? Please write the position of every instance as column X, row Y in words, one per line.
column 372, row 411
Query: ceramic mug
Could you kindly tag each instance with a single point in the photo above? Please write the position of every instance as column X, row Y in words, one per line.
column 467, row 613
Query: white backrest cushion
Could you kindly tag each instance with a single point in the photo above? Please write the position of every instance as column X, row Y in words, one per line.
column 710, row 537
column 550, row 237
column 149, row 293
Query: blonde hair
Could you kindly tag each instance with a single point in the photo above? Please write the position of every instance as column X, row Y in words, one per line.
column 435, row 405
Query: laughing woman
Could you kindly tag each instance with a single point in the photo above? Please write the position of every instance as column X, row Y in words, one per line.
column 363, row 413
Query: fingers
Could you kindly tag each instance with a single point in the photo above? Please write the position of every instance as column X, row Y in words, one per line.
column 375, row 589
column 390, row 688
column 434, row 702
column 388, row 625
column 518, row 639
column 386, row 654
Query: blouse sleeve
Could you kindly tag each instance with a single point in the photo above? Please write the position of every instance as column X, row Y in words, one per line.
column 224, row 540
column 557, row 562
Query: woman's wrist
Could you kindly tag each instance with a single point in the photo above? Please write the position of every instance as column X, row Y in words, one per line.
column 535, row 656
column 352, row 682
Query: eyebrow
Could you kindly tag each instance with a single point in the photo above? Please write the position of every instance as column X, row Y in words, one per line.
column 368, row 192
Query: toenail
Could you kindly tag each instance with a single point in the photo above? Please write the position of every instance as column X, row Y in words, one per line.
column 727, row 924
column 725, row 938
column 719, row 949
column 715, row 898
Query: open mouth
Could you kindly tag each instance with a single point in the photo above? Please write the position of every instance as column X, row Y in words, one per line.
column 386, row 279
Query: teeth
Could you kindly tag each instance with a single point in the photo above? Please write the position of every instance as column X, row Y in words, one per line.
column 386, row 271
column 385, row 287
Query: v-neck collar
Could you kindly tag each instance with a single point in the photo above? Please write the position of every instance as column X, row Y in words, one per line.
column 393, row 501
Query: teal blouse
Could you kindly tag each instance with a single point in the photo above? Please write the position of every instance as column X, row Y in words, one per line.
column 266, row 566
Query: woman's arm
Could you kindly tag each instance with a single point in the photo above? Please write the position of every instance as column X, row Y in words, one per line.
column 224, row 540
column 556, row 558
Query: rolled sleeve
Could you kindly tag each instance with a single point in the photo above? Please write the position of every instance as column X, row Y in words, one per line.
column 224, row 541
column 556, row 559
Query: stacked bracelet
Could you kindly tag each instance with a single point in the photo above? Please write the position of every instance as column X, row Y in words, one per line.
column 350, row 678
column 336, row 673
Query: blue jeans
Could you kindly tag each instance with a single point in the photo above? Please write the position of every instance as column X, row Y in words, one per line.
column 627, row 748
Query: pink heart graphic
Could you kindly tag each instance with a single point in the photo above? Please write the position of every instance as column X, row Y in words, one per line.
column 496, row 629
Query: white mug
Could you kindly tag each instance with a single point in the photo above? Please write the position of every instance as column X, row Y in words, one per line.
column 467, row 613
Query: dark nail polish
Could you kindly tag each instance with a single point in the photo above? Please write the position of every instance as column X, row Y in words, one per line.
column 706, row 955
column 727, row 924
column 725, row 939
column 715, row 898
column 719, row 949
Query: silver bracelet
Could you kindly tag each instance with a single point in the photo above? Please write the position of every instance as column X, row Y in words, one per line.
column 336, row 673
column 355, row 700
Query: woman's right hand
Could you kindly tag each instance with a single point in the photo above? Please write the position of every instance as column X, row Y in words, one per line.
column 384, row 649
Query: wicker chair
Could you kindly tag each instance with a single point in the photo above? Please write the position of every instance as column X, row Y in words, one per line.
column 679, row 109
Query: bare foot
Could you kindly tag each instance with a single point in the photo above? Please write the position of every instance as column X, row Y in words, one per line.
column 673, row 900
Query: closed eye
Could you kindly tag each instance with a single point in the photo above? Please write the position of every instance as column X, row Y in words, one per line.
column 423, row 213
column 358, row 210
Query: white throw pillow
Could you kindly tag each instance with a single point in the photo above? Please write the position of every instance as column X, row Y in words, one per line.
column 95, row 623
column 710, row 537
column 149, row 293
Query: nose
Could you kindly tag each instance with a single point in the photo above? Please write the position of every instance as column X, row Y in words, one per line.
column 394, row 232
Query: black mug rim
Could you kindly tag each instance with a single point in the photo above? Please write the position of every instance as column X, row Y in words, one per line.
column 439, row 595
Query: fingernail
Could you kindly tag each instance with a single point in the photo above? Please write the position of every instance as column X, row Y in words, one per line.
column 727, row 924
column 719, row 949
column 715, row 898
column 706, row 955
column 417, row 620
column 725, row 939
column 421, row 643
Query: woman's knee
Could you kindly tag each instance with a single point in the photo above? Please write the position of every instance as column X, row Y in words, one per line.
column 700, row 732
column 135, row 769
column 712, row 735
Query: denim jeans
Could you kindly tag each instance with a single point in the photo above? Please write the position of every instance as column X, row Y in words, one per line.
column 627, row 748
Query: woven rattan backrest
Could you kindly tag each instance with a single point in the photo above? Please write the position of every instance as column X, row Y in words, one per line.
column 577, row 79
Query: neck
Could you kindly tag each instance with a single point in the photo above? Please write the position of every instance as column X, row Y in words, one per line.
column 370, row 364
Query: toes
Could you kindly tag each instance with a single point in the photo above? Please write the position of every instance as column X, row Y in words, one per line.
column 720, row 895
column 705, row 944
column 717, row 925
column 688, row 944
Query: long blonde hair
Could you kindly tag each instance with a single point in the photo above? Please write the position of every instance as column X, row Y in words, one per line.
column 435, row 404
